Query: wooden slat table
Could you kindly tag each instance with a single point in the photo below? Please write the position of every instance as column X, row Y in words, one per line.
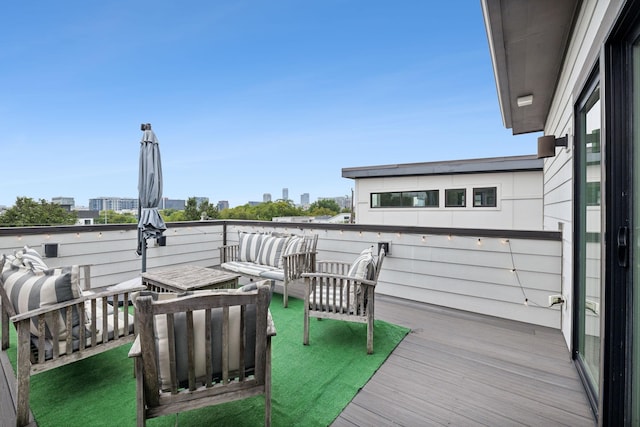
column 188, row 278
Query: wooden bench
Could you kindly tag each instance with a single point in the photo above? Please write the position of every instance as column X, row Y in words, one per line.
column 297, row 256
column 103, row 327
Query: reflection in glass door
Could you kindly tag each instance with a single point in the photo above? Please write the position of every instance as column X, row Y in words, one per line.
column 588, row 238
column 635, row 266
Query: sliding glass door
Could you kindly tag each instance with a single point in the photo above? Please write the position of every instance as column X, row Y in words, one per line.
column 588, row 237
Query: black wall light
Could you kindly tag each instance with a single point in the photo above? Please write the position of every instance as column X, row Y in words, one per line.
column 547, row 145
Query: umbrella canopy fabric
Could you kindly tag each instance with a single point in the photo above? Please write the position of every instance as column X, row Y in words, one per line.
column 151, row 223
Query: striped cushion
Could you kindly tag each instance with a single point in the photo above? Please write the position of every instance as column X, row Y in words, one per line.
column 29, row 289
column 31, row 258
column 295, row 245
column 249, row 246
column 271, row 250
column 180, row 337
column 362, row 267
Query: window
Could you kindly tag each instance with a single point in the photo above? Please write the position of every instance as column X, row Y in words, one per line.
column 592, row 193
column 455, row 198
column 406, row 199
column 484, row 197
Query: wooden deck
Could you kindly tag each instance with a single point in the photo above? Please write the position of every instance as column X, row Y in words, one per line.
column 456, row 368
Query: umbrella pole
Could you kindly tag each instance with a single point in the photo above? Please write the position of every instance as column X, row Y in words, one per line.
column 144, row 254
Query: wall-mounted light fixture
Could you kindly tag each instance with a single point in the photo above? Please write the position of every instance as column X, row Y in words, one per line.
column 523, row 101
column 547, row 145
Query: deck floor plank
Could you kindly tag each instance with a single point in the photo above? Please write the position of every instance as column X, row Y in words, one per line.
column 459, row 368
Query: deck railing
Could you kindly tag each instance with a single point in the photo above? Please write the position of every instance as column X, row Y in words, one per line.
column 503, row 273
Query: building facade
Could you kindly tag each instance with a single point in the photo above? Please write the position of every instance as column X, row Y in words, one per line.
column 497, row 193
column 116, row 204
column 572, row 70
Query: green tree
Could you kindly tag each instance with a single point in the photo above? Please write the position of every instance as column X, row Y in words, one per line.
column 191, row 212
column 208, row 211
column 113, row 217
column 324, row 207
column 28, row 212
column 172, row 215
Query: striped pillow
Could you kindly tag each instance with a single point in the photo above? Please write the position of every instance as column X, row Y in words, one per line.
column 271, row 251
column 249, row 246
column 29, row 289
column 31, row 258
column 295, row 245
column 362, row 266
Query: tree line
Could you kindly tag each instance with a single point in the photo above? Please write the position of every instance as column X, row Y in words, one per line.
column 28, row 212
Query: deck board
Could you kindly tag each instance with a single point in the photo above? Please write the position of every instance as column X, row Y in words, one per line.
column 459, row 368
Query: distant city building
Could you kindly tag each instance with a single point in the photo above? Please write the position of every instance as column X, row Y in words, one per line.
column 177, row 204
column 285, row 194
column 253, row 203
column 266, row 197
column 116, row 204
column 304, row 199
column 201, row 200
column 223, row 204
column 87, row 217
column 68, row 203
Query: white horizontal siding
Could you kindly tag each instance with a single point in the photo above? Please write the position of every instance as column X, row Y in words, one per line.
column 465, row 272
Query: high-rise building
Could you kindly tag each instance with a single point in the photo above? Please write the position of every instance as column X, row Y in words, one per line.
column 304, row 199
column 177, row 204
column 266, row 197
column 223, row 204
column 285, row 194
column 68, row 203
column 116, row 204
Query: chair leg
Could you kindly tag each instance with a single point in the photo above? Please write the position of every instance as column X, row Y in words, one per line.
column 23, row 373
column 267, row 387
column 370, row 335
column 285, row 294
column 305, row 338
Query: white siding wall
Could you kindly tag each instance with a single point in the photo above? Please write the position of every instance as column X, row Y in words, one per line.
column 558, row 170
column 461, row 271
column 519, row 204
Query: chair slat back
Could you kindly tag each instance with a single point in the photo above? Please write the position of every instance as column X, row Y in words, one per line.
column 218, row 314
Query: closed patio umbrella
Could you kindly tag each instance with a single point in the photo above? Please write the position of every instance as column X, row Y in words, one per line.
column 150, row 224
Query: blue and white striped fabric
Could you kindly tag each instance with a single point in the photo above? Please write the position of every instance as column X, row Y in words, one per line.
column 271, row 250
column 362, row 267
column 29, row 289
column 31, row 258
column 249, row 246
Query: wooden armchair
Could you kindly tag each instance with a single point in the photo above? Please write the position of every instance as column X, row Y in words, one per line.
column 343, row 291
column 65, row 332
column 202, row 349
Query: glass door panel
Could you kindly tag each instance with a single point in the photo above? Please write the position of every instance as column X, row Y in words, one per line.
column 589, row 237
column 635, row 261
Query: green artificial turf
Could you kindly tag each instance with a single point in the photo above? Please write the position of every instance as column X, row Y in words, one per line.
column 311, row 384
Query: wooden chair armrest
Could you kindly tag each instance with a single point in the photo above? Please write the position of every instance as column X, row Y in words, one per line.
column 95, row 293
column 339, row 277
column 229, row 252
column 136, row 349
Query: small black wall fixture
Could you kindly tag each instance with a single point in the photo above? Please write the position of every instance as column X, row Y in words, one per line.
column 161, row 241
column 547, row 145
column 51, row 250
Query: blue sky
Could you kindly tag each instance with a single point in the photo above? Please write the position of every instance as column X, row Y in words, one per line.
column 245, row 97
